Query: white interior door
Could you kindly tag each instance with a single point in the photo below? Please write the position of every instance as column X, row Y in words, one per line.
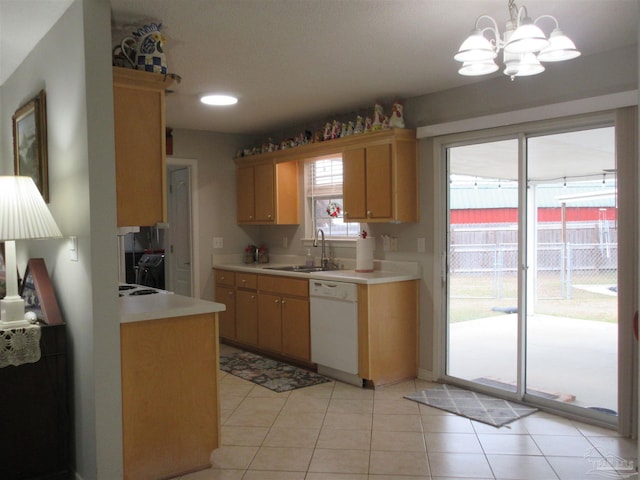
column 179, row 252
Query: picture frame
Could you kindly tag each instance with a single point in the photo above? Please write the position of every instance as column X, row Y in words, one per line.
column 38, row 294
column 30, row 142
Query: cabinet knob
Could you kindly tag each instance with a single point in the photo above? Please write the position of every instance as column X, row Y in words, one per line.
column 345, row 214
column 222, row 278
column 230, row 294
column 368, row 213
column 269, row 216
column 283, row 302
column 277, row 301
column 250, row 217
column 243, row 280
column 253, row 297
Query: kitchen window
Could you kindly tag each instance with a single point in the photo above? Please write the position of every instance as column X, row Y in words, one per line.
column 324, row 202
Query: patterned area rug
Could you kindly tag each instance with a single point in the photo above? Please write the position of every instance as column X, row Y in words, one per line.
column 476, row 406
column 271, row 374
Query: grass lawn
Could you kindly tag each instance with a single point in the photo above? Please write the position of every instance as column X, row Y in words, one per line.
column 474, row 296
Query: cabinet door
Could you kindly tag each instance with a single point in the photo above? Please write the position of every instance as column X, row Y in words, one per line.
column 227, row 319
column 245, row 194
column 247, row 317
column 353, row 187
column 379, row 182
column 264, row 182
column 296, row 333
column 269, row 322
column 139, row 147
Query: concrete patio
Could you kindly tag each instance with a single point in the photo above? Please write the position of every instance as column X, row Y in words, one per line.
column 566, row 356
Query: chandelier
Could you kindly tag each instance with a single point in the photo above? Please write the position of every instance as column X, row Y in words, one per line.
column 524, row 46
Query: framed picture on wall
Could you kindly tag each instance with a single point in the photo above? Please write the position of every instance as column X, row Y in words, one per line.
column 30, row 143
column 38, row 294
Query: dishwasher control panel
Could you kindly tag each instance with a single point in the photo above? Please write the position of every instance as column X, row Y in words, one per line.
column 336, row 290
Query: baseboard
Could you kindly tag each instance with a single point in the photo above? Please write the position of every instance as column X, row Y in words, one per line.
column 426, row 375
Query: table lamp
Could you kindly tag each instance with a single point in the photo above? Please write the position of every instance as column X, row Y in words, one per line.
column 23, row 215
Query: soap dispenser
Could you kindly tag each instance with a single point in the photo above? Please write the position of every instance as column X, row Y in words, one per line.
column 309, row 261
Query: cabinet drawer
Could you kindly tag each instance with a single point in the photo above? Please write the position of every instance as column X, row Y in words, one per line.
column 298, row 287
column 224, row 277
column 246, row 280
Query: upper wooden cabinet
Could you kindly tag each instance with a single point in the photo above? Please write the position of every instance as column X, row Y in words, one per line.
column 380, row 182
column 267, row 193
column 380, row 179
column 139, row 117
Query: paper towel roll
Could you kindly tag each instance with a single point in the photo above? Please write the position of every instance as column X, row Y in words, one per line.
column 364, row 254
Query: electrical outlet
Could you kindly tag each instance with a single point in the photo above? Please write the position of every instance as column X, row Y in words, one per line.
column 217, row 242
column 421, row 245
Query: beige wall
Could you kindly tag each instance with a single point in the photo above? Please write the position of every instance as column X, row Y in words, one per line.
column 77, row 80
column 216, row 189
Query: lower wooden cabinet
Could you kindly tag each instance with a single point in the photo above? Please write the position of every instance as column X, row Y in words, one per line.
column 266, row 312
column 271, row 315
column 227, row 296
column 270, row 322
column 296, row 334
column 247, row 317
column 170, row 396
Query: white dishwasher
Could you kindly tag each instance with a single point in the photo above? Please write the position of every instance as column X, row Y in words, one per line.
column 334, row 329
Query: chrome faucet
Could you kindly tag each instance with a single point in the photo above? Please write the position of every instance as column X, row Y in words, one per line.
column 324, row 261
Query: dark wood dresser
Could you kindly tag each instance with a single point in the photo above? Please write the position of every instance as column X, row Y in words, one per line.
column 34, row 413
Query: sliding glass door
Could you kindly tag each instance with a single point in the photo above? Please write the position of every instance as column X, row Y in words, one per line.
column 483, row 255
column 532, row 269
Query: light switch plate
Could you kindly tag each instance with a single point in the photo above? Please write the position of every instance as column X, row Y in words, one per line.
column 73, row 248
column 421, row 245
column 217, row 242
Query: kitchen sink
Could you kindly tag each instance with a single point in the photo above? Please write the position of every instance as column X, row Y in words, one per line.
column 298, row 268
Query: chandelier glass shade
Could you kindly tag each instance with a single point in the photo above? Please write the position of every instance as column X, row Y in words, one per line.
column 524, row 46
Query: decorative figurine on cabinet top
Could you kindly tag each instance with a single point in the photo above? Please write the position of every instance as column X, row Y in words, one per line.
column 397, row 115
column 378, row 117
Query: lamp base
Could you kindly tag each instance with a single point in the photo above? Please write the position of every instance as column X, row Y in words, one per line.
column 12, row 312
column 14, row 324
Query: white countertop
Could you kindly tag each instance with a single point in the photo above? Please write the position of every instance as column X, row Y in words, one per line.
column 153, row 307
column 384, row 271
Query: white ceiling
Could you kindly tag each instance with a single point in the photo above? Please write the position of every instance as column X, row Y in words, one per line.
column 296, row 61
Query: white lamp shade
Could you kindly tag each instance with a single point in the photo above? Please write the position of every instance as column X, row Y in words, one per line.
column 475, row 48
column 23, row 211
column 560, row 48
column 526, row 39
column 473, row 69
column 522, row 65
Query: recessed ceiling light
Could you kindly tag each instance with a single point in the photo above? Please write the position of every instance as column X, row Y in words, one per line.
column 218, row 100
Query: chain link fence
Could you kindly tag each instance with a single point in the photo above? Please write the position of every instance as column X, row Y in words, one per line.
column 562, row 270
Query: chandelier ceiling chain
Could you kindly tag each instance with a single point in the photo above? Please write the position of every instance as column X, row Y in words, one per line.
column 524, row 45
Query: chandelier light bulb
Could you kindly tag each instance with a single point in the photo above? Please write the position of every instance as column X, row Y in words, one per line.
column 560, row 48
column 473, row 69
column 476, row 48
column 527, row 38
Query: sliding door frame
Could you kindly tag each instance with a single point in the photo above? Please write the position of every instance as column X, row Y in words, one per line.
column 625, row 122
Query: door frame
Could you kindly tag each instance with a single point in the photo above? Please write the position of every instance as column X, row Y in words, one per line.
column 192, row 166
column 627, row 262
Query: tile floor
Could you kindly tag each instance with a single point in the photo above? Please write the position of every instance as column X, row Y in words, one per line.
column 336, row 431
